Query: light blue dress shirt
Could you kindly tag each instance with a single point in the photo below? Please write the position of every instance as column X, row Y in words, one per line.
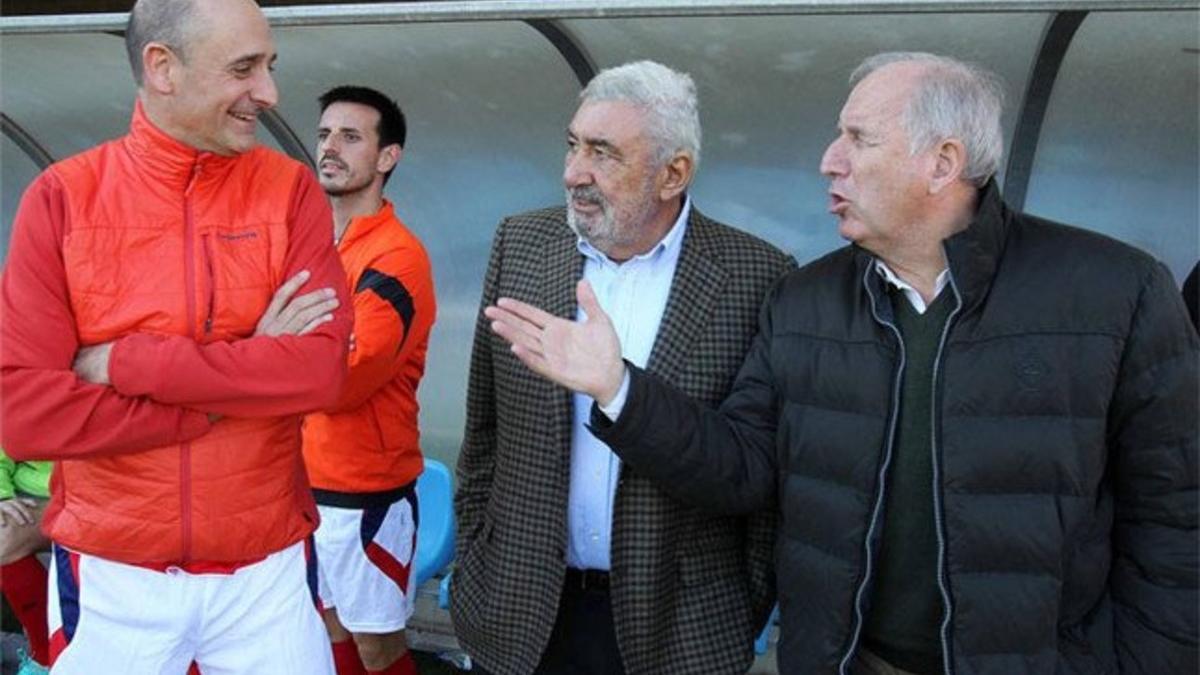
column 634, row 295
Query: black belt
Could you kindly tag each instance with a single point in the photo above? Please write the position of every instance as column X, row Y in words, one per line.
column 586, row 580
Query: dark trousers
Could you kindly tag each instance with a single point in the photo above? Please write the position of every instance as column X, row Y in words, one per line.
column 584, row 640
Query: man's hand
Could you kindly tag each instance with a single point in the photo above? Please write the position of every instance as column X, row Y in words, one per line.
column 18, row 511
column 296, row 316
column 583, row 356
column 91, row 363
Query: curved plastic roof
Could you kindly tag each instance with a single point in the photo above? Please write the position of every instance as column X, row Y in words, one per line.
column 1103, row 118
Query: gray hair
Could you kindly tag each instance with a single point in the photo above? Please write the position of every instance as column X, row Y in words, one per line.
column 667, row 95
column 953, row 99
column 162, row 21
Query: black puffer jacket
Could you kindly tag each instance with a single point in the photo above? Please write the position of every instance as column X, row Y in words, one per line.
column 1065, row 452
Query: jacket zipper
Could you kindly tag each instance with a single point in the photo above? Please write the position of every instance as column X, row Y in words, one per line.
column 939, row 524
column 212, row 285
column 879, row 499
column 185, row 450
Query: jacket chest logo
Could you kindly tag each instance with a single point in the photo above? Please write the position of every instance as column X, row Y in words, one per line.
column 1032, row 371
column 237, row 236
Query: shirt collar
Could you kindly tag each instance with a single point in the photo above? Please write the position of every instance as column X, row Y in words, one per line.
column 910, row 292
column 670, row 243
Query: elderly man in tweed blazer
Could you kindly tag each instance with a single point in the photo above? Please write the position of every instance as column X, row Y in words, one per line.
column 568, row 561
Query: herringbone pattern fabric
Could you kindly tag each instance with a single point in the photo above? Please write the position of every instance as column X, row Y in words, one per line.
column 689, row 591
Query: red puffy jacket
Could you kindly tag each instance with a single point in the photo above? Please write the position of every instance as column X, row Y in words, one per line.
column 172, row 254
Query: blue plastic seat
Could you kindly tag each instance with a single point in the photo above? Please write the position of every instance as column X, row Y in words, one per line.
column 764, row 638
column 435, row 526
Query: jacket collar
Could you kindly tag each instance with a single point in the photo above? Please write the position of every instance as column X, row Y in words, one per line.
column 168, row 159
column 973, row 254
column 361, row 225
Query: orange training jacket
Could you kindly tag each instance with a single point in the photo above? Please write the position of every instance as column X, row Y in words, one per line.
column 368, row 442
column 172, row 254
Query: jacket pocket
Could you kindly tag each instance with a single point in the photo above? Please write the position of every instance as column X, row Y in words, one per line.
column 237, row 262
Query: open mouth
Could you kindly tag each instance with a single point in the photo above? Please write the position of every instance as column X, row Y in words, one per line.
column 247, row 118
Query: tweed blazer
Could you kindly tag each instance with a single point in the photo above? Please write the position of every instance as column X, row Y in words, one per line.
column 689, row 590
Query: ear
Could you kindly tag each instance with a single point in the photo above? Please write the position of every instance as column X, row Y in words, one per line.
column 675, row 176
column 949, row 161
column 389, row 157
column 159, row 68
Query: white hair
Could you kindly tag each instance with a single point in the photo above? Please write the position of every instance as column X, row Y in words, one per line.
column 667, row 95
column 953, row 99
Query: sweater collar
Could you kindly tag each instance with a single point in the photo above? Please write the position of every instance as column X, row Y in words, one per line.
column 170, row 160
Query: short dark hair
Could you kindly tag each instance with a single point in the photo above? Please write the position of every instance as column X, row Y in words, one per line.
column 391, row 127
column 164, row 21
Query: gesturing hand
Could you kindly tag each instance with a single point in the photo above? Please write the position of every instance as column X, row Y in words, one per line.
column 296, row 316
column 583, row 356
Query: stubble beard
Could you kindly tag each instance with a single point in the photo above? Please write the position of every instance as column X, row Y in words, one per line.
column 346, row 189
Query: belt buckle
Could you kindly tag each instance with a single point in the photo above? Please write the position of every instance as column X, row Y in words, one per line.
column 589, row 579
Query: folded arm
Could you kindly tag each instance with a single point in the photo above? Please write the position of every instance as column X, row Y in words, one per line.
column 264, row 375
column 48, row 412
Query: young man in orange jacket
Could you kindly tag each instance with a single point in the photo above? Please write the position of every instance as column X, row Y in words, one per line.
column 150, row 345
column 363, row 453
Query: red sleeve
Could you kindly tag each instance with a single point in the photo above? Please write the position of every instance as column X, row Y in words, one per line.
column 259, row 376
column 47, row 411
column 393, row 312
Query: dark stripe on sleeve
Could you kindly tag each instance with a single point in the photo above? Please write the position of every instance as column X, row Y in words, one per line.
column 393, row 292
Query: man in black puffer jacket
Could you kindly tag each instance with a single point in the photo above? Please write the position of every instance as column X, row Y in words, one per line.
column 979, row 427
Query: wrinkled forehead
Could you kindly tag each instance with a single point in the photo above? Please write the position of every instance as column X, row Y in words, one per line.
column 881, row 98
column 618, row 119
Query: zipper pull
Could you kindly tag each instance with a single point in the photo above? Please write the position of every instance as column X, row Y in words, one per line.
column 194, row 177
column 211, row 279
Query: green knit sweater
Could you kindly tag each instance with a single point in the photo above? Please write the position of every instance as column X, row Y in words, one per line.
column 906, row 607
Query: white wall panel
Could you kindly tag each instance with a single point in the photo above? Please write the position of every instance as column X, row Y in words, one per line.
column 1120, row 146
column 17, row 170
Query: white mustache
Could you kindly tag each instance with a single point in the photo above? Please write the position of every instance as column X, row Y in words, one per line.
column 589, row 194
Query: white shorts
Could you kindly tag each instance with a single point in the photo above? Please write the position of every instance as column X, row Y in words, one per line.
column 366, row 558
column 111, row 618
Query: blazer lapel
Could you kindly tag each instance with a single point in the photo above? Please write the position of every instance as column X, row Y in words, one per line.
column 698, row 279
column 561, row 269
